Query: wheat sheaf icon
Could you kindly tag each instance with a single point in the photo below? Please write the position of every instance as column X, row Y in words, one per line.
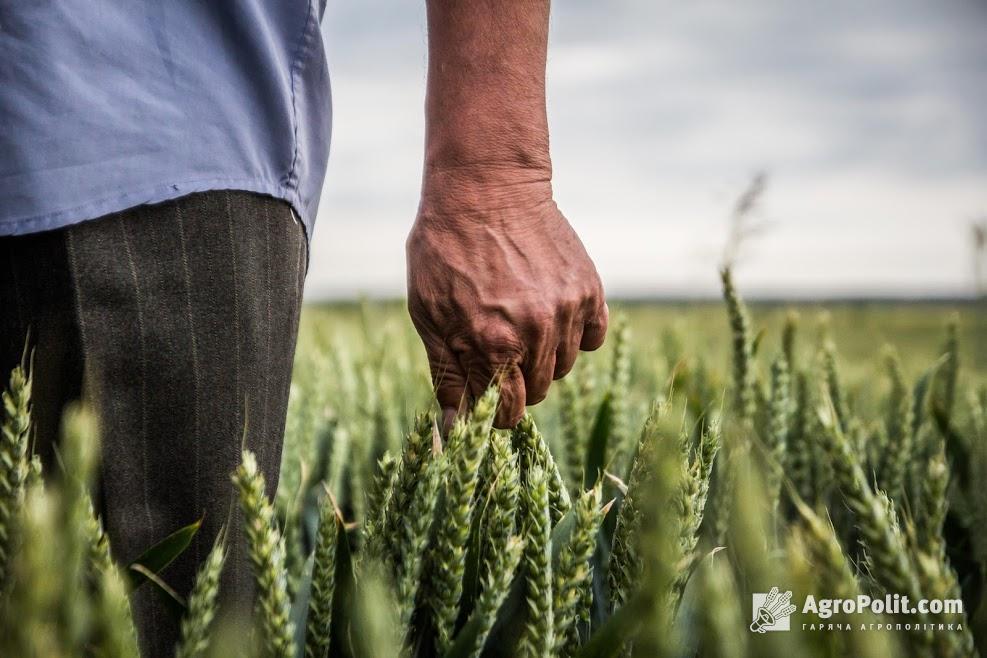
column 774, row 608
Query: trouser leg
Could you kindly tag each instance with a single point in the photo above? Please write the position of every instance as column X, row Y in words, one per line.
column 37, row 326
column 187, row 313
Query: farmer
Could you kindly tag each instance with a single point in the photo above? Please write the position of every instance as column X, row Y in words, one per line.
column 160, row 171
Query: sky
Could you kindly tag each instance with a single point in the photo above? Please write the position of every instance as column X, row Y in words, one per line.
column 868, row 119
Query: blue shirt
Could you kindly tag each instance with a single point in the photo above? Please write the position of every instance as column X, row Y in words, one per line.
column 110, row 104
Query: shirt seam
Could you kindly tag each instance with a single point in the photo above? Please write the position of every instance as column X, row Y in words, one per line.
column 291, row 181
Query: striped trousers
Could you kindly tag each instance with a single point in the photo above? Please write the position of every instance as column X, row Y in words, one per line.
column 177, row 323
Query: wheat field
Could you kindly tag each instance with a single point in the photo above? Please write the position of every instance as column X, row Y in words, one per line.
column 711, row 453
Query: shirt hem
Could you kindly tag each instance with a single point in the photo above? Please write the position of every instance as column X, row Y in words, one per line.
column 156, row 194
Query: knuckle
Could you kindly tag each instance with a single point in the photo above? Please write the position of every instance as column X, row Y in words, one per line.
column 498, row 343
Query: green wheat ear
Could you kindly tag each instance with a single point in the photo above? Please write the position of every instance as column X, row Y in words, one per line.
column 318, row 624
column 779, row 419
column 817, row 543
column 413, row 539
column 537, row 638
column 267, row 558
column 624, row 567
column 14, row 432
column 947, row 378
column 447, row 552
column 788, row 338
column 79, row 452
column 496, row 586
column 574, row 433
column 197, row 624
column 933, row 503
column 690, row 501
column 886, row 553
column 533, row 450
column 900, row 442
column 499, row 521
column 119, row 639
column 834, row 385
column 112, row 626
column 379, row 504
column 621, row 439
column 574, row 576
column 743, row 359
column 415, row 458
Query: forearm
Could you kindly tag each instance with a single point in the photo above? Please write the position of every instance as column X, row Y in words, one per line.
column 500, row 288
column 485, row 103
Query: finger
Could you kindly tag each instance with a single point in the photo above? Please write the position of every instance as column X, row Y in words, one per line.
column 510, row 409
column 449, row 381
column 538, row 377
column 595, row 330
column 538, row 366
column 566, row 353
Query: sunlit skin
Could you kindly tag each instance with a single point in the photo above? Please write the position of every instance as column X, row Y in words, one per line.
column 499, row 284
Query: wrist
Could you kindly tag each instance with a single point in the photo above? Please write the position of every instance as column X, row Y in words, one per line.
column 484, row 141
column 489, row 190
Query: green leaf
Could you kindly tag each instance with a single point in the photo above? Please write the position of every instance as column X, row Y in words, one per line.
column 596, row 453
column 176, row 604
column 299, row 608
column 560, row 535
column 466, row 638
column 611, row 637
column 340, row 643
column 155, row 559
column 471, row 574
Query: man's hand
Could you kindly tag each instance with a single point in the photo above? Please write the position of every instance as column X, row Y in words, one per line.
column 499, row 286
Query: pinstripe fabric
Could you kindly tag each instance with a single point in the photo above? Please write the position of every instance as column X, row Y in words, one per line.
column 182, row 317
